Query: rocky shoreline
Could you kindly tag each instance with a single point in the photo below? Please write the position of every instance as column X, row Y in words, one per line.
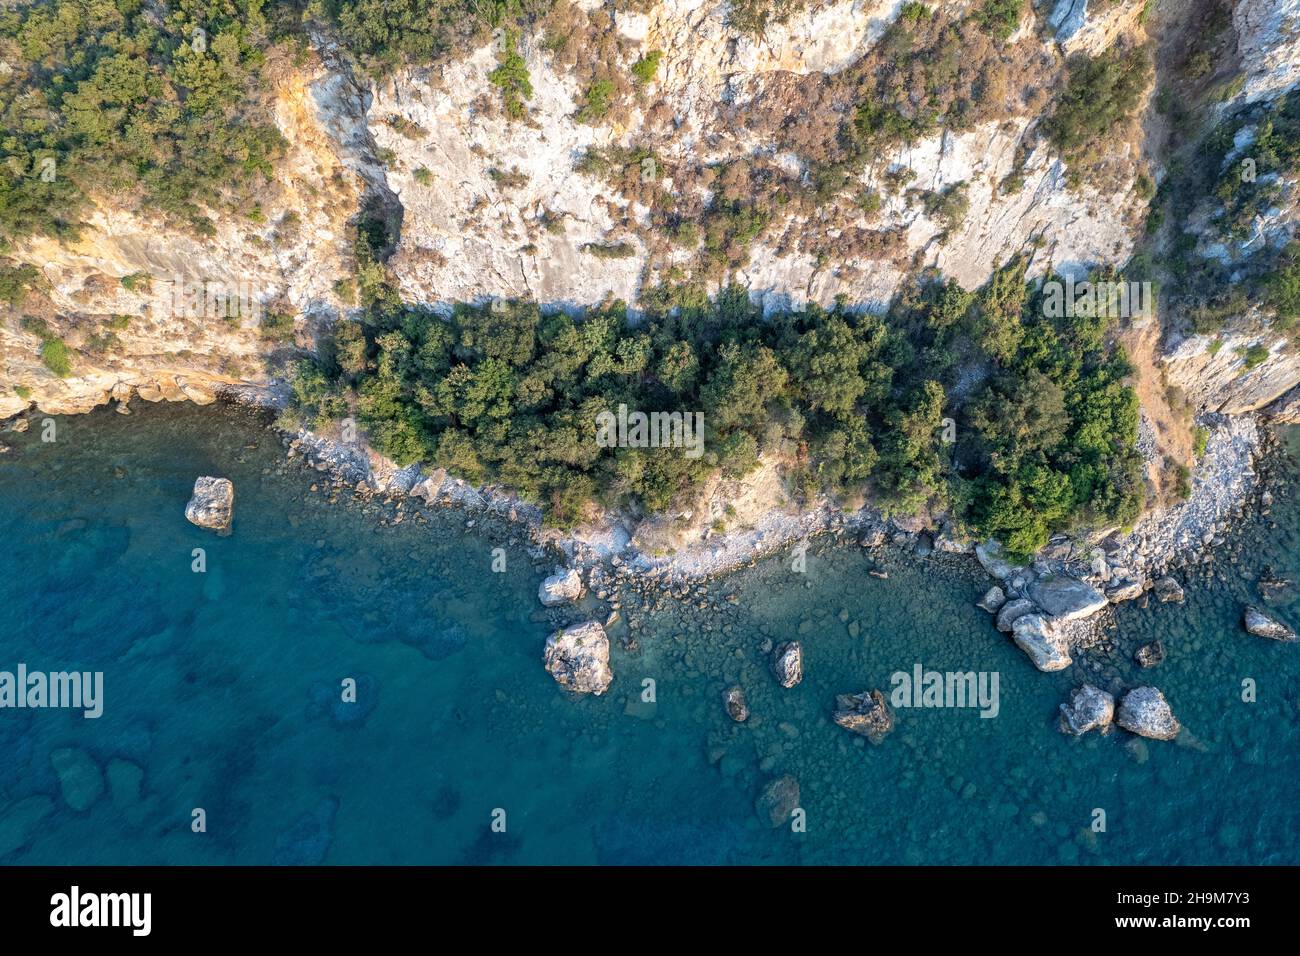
column 1063, row 595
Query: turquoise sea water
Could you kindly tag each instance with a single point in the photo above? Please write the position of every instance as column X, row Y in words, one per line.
column 222, row 691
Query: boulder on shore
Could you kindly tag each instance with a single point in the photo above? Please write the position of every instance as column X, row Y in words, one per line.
column 1125, row 591
column 866, row 714
column 1089, row 708
column 562, row 587
column 1043, row 640
column 578, row 658
column 737, row 707
column 779, row 799
column 993, row 560
column 1145, row 712
column 212, row 504
column 1066, row 598
column 1012, row 610
column 1168, row 590
column 992, row 600
column 787, row 663
column 1261, row 625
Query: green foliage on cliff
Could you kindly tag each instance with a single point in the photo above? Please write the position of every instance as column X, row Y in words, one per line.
column 1000, row 18
column 851, row 402
column 151, row 104
column 1100, row 93
column 387, row 33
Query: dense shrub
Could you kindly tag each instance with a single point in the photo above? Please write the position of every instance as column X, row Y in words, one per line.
column 1100, row 94
column 853, row 402
column 147, row 103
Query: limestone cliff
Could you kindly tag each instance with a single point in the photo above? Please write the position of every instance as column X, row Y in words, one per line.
column 485, row 205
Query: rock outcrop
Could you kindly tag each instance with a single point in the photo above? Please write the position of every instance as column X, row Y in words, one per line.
column 993, row 559
column 1066, row 598
column 1261, row 625
column 213, row 503
column 787, row 663
column 1012, row 611
column 1089, row 708
column 992, row 600
column 1044, row 640
column 562, row 587
column 1145, row 712
column 1169, row 591
column 733, row 698
column 866, row 714
column 578, row 658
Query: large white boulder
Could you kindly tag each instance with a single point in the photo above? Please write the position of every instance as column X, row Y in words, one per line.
column 1144, row 711
column 1043, row 639
column 213, row 503
column 562, row 587
column 578, row 658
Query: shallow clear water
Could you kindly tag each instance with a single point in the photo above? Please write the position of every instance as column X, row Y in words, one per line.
column 222, row 692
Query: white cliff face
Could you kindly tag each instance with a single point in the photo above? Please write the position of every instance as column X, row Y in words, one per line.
column 495, row 208
column 469, row 235
column 1213, row 374
column 1091, row 27
column 1268, row 41
column 283, row 257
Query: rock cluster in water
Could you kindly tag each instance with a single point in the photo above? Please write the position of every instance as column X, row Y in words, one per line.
column 1044, row 610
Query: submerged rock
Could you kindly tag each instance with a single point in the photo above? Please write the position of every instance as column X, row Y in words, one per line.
column 787, row 663
column 578, row 658
column 1169, row 590
column 213, row 504
column 778, row 800
column 80, row 779
column 1145, row 712
column 1089, row 708
column 737, row 708
column 1011, row 611
column 992, row 600
column 1043, row 640
column 1273, row 589
column 866, row 714
column 21, row 821
column 1261, row 625
column 307, row 841
column 1149, row 655
column 562, row 587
